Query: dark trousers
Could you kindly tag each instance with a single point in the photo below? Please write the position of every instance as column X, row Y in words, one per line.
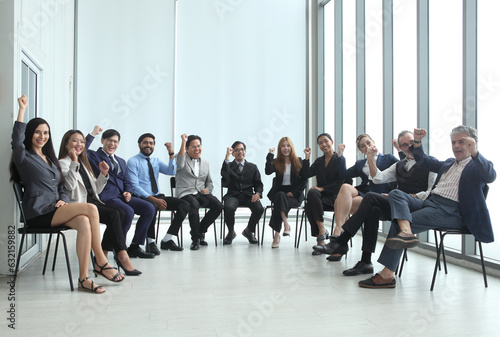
column 196, row 201
column 281, row 203
column 134, row 206
column 373, row 207
column 180, row 208
column 231, row 203
column 315, row 206
column 113, row 237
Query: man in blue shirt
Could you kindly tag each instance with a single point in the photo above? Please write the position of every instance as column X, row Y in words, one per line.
column 143, row 174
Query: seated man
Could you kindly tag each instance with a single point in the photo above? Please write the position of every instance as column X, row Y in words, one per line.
column 411, row 179
column 457, row 200
column 194, row 185
column 144, row 171
column 118, row 191
column 244, row 188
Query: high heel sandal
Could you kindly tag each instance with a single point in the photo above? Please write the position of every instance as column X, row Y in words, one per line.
column 92, row 289
column 99, row 272
column 276, row 245
column 134, row 272
column 323, row 237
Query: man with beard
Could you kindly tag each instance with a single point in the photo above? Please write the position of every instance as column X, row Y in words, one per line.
column 144, row 172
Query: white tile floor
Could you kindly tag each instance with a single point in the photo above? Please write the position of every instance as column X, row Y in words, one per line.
column 249, row 290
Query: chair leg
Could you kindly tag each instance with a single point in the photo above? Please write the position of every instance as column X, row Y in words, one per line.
column 263, row 226
column 47, row 255
column 157, row 227
column 19, row 255
column 442, row 253
column 67, row 261
column 437, row 245
column 482, row 264
column 438, row 257
column 257, row 228
column 405, row 257
column 215, row 234
column 296, row 228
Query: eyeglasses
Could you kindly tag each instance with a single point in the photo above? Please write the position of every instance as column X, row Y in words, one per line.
column 407, row 144
column 239, row 150
column 112, row 141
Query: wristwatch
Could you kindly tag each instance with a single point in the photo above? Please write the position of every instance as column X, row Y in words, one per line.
column 171, row 153
column 417, row 141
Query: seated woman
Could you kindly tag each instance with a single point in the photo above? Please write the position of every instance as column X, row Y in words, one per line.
column 330, row 172
column 288, row 186
column 45, row 202
column 350, row 197
column 82, row 186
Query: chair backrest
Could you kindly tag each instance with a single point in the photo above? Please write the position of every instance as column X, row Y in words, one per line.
column 19, row 193
column 172, row 186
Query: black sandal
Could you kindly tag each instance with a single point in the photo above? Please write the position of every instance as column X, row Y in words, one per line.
column 92, row 289
column 99, row 272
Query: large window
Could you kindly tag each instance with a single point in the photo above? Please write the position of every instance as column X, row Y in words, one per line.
column 488, row 102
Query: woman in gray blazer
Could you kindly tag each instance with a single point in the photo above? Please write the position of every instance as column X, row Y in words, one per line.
column 82, row 186
column 45, row 202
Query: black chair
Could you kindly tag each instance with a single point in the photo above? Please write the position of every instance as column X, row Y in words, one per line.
column 19, row 192
column 158, row 215
column 223, row 185
column 440, row 248
column 297, row 238
column 172, row 191
column 299, row 209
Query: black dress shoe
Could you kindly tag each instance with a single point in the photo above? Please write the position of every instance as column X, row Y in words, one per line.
column 202, row 240
column 315, row 252
column 195, row 245
column 250, row 236
column 137, row 251
column 152, row 248
column 170, row 245
column 229, row 238
column 360, row 268
column 334, row 258
column 333, row 247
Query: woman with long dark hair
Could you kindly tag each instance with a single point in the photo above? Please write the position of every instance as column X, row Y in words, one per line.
column 288, row 186
column 45, row 201
column 330, row 172
column 82, row 186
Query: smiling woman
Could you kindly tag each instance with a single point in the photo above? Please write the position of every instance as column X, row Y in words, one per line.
column 45, row 201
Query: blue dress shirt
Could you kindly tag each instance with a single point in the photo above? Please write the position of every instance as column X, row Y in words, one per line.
column 138, row 172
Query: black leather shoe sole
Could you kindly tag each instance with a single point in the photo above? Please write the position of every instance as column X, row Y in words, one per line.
column 334, row 258
column 372, row 285
column 141, row 255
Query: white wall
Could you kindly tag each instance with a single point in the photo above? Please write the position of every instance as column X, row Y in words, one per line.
column 45, row 30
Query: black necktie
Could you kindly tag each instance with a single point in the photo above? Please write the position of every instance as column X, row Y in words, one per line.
column 114, row 165
column 154, row 187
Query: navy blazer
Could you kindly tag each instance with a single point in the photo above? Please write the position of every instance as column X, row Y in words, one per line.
column 471, row 201
column 298, row 182
column 246, row 182
column 383, row 161
column 42, row 182
column 117, row 183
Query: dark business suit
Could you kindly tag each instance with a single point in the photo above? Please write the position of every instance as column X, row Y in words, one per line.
column 439, row 212
column 241, row 186
column 112, row 195
column 330, row 178
column 383, row 162
column 42, row 182
column 277, row 194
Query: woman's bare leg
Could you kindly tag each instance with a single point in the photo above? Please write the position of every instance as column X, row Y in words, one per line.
column 321, row 231
column 65, row 214
column 343, row 206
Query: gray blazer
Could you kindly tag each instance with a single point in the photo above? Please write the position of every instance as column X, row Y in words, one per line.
column 185, row 180
column 73, row 181
column 42, row 188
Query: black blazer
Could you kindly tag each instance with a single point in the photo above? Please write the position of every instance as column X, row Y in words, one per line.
column 330, row 177
column 298, row 182
column 246, row 182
